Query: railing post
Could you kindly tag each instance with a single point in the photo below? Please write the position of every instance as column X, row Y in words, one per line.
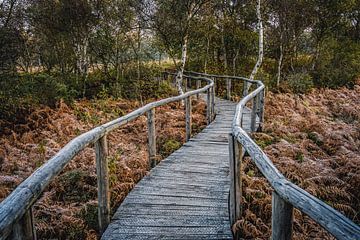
column 215, row 86
column 236, row 154
column 282, row 218
column 253, row 113
column 102, row 170
column 261, row 109
column 151, row 137
column 188, row 117
column 228, row 88
column 24, row 229
column 212, row 103
column 198, row 85
column 208, row 109
column 185, row 80
column 245, row 90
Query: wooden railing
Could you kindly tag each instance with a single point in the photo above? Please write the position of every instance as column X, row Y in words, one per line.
column 286, row 195
column 16, row 218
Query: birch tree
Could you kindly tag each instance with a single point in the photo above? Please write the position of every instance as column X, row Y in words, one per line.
column 261, row 43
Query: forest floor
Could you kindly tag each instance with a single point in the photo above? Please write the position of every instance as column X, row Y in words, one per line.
column 314, row 140
column 68, row 208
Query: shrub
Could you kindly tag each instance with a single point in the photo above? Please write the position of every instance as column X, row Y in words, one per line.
column 338, row 63
column 169, row 147
column 300, row 82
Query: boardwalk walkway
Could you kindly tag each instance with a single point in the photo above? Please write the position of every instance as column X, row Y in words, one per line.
column 186, row 195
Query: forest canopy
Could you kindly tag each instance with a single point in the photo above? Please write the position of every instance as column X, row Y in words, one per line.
column 83, row 48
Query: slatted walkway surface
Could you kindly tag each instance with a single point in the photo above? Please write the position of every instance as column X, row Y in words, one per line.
column 186, row 195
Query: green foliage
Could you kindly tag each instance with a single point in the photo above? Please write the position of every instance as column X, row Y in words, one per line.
column 338, row 64
column 314, row 137
column 90, row 215
column 299, row 157
column 169, row 147
column 11, row 47
column 300, row 82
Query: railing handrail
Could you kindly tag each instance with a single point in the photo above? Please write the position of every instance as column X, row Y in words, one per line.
column 14, row 207
column 20, row 201
column 332, row 220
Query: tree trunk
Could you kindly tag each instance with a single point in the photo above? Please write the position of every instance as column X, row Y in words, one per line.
column 261, row 43
column 180, row 73
column 138, row 52
column 206, row 54
column 280, row 61
column 234, row 61
column 224, row 49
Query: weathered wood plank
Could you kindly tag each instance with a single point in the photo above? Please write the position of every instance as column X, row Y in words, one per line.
column 190, row 187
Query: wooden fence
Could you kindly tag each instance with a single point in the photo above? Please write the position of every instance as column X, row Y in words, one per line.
column 16, row 218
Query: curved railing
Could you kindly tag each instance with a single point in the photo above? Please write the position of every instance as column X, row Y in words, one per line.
column 16, row 218
column 286, row 195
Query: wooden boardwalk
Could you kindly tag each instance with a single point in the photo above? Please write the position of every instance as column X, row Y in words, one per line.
column 186, row 195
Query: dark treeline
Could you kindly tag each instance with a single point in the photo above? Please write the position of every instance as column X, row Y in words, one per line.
column 52, row 49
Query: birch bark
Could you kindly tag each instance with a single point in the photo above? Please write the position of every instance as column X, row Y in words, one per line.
column 261, row 43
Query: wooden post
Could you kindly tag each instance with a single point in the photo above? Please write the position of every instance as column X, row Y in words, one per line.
column 228, row 88
column 198, row 85
column 208, row 110
column 151, row 138
column 236, row 154
column 215, row 86
column 24, row 229
column 261, row 109
column 185, row 80
column 188, row 117
column 212, row 103
column 102, row 170
column 245, row 90
column 253, row 113
column 282, row 218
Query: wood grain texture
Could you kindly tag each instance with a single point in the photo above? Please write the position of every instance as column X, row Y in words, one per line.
column 151, row 137
column 186, row 195
column 188, row 120
column 282, row 218
column 24, row 229
column 102, row 171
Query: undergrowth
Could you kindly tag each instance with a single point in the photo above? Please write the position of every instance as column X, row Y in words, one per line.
column 314, row 140
column 68, row 208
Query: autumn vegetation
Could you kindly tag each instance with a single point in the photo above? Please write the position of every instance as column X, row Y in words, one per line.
column 67, row 66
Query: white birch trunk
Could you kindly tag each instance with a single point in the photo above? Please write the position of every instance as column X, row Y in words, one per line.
column 83, row 60
column 261, row 43
column 180, row 73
